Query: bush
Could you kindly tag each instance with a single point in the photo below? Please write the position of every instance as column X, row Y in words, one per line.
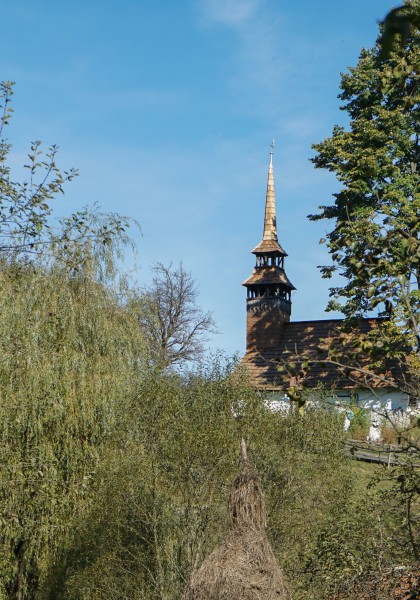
column 160, row 504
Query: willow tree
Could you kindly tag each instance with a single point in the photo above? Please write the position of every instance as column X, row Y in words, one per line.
column 69, row 360
column 374, row 241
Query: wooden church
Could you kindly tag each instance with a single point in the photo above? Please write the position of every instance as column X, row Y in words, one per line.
column 274, row 341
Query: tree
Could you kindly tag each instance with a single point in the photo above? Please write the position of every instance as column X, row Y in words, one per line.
column 24, row 207
column 174, row 326
column 26, row 227
column 70, row 357
column 375, row 243
column 397, row 26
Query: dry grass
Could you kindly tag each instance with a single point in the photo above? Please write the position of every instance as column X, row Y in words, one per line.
column 243, row 566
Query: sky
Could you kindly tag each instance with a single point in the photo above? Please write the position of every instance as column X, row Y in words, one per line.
column 168, row 108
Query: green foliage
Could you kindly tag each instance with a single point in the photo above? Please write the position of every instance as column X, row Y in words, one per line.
column 163, row 494
column 160, row 503
column 403, row 499
column 351, row 542
column 87, row 239
column 397, row 26
column 68, row 357
column 25, row 207
column 375, row 242
column 359, row 421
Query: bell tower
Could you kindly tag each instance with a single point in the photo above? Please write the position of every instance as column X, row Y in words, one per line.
column 268, row 303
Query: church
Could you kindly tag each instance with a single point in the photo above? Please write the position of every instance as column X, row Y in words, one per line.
column 283, row 355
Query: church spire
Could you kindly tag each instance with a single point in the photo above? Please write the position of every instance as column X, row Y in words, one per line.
column 270, row 225
column 269, row 242
column 268, row 288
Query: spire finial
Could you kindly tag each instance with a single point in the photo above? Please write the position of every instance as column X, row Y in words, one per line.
column 271, row 150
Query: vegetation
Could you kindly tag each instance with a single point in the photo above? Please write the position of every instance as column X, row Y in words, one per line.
column 374, row 242
column 158, row 506
column 86, row 239
column 175, row 326
column 397, row 26
column 114, row 467
column 69, row 356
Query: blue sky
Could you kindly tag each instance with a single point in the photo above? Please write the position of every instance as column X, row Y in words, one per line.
column 168, row 109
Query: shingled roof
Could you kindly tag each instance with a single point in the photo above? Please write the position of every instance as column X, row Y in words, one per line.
column 268, row 247
column 269, row 275
column 268, row 368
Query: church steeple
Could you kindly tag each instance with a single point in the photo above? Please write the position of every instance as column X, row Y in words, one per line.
column 270, row 225
column 269, row 242
column 268, row 289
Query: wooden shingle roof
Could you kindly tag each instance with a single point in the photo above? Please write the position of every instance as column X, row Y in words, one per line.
column 269, row 368
column 269, row 275
column 269, row 247
column 270, row 243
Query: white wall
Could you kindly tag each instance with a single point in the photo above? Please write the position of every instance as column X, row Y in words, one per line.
column 380, row 400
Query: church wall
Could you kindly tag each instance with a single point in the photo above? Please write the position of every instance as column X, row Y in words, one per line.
column 395, row 405
column 380, row 400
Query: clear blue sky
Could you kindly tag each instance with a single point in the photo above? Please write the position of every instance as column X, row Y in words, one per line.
column 168, row 108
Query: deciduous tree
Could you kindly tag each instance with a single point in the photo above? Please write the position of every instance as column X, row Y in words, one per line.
column 174, row 325
column 69, row 358
column 26, row 227
column 374, row 242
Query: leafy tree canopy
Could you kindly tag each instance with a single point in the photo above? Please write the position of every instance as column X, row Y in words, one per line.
column 374, row 242
column 397, row 26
